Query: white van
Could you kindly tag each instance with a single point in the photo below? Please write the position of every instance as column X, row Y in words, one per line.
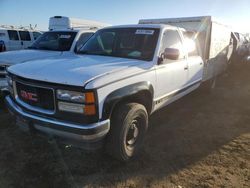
column 12, row 38
column 64, row 38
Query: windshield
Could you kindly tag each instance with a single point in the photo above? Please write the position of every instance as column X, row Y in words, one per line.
column 135, row 43
column 55, row 41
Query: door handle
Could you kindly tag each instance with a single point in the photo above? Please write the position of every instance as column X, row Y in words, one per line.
column 201, row 63
column 21, row 42
column 186, row 68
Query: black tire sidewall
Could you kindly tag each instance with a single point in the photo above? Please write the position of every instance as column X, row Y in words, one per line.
column 120, row 121
column 133, row 114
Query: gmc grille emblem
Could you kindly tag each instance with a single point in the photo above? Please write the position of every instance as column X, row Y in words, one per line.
column 29, row 96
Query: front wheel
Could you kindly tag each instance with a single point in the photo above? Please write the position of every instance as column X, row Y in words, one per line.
column 129, row 124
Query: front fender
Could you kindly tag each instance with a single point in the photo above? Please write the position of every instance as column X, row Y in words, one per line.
column 131, row 92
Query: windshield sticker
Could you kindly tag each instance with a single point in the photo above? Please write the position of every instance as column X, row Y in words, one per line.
column 144, row 32
column 65, row 36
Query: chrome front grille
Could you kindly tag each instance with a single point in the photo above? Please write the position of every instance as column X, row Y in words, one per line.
column 35, row 98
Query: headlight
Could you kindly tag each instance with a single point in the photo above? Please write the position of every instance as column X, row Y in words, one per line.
column 71, row 96
column 3, row 68
column 9, row 81
column 9, row 84
column 71, row 107
column 76, row 102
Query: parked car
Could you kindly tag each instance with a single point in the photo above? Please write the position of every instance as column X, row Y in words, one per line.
column 65, row 36
column 104, row 96
column 14, row 38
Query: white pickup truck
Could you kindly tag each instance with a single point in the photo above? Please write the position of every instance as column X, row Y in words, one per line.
column 104, row 95
column 65, row 36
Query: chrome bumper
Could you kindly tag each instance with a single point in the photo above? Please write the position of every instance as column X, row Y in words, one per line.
column 53, row 127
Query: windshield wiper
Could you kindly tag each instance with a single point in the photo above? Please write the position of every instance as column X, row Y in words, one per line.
column 32, row 47
column 45, row 48
column 83, row 52
column 93, row 53
column 39, row 48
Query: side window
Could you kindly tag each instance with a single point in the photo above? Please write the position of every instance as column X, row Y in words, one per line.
column 82, row 39
column 190, row 44
column 36, row 35
column 191, row 48
column 172, row 39
column 24, row 35
column 13, row 35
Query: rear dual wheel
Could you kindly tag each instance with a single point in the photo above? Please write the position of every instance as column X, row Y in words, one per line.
column 129, row 124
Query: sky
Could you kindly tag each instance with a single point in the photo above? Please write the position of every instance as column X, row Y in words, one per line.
column 235, row 13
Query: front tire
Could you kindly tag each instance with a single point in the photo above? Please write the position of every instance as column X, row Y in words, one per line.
column 129, row 123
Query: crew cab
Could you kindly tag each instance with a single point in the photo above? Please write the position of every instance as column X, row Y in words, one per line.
column 103, row 96
column 65, row 36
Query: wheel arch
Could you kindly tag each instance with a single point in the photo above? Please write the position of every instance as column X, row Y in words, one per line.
column 141, row 93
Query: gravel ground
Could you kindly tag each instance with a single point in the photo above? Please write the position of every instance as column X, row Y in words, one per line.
column 202, row 140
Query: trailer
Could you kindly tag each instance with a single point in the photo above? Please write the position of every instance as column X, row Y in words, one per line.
column 214, row 40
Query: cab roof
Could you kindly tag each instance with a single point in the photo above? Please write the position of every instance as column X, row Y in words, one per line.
column 148, row 26
column 73, row 30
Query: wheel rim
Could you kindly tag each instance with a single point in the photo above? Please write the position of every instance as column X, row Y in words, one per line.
column 133, row 133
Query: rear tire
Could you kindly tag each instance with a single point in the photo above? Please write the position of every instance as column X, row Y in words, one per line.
column 129, row 124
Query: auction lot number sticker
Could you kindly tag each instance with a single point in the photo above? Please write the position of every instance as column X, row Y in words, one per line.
column 144, row 32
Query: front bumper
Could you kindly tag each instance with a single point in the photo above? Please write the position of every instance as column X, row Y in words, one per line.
column 71, row 133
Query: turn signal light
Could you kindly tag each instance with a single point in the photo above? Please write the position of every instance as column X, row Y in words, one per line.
column 89, row 97
column 89, row 109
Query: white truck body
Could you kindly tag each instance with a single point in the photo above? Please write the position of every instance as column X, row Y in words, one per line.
column 214, row 40
column 62, row 22
column 145, row 64
column 58, row 25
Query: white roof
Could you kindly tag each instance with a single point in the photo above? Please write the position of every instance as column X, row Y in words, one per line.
column 62, row 23
column 180, row 19
column 153, row 26
column 20, row 28
column 169, row 20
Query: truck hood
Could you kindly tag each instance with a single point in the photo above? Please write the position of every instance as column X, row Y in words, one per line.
column 74, row 70
column 20, row 56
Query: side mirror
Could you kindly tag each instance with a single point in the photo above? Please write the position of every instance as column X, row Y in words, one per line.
column 171, row 53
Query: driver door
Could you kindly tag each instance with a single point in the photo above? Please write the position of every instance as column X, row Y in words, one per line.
column 171, row 75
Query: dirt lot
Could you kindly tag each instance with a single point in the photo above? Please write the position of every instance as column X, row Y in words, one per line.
column 200, row 141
